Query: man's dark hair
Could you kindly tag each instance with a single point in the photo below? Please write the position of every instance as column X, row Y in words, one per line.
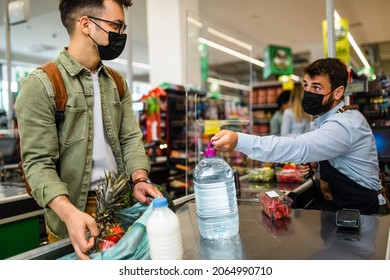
column 72, row 10
column 284, row 97
column 334, row 68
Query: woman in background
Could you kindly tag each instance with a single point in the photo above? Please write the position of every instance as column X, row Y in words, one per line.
column 295, row 121
column 277, row 117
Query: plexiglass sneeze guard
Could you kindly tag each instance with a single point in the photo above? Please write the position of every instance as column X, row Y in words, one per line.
column 218, row 90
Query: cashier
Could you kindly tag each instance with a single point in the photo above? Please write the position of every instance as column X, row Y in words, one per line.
column 342, row 142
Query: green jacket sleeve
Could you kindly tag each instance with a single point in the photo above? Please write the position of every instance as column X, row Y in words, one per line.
column 35, row 111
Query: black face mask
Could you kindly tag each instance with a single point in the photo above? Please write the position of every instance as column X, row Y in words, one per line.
column 312, row 103
column 116, row 44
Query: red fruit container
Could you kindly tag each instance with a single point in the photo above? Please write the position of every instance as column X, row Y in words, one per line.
column 275, row 204
column 294, row 176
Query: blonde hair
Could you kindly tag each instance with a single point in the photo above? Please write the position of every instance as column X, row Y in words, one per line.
column 296, row 104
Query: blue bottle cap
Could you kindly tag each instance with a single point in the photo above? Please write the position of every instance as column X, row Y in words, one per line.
column 159, row 202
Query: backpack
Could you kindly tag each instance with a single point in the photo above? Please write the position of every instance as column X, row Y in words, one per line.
column 55, row 77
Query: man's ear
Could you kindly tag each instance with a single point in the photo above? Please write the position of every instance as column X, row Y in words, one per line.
column 339, row 92
column 84, row 24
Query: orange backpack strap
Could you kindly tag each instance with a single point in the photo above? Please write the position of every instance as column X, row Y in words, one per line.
column 58, row 86
column 118, row 80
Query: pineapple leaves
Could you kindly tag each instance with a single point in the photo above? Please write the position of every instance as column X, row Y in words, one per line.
column 111, row 192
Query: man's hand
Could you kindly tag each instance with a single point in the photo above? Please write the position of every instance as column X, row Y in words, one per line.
column 78, row 224
column 143, row 189
column 225, row 140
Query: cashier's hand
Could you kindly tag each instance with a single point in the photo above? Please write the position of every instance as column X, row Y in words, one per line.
column 78, row 224
column 225, row 140
column 307, row 166
column 143, row 190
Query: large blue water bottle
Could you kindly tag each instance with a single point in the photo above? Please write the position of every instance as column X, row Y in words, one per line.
column 215, row 197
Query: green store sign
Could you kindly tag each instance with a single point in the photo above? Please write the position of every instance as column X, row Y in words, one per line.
column 278, row 60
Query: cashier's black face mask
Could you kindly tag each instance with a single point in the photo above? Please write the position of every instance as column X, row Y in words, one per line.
column 116, row 44
column 312, row 103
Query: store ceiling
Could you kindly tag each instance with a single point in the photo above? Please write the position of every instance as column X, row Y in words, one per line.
column 293, row 23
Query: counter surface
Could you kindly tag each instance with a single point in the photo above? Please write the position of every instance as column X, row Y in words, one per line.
column 10, row 192
column 12, row 186
column 307, row 234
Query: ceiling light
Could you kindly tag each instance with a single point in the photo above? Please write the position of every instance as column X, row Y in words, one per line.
column 231, row 52
column 357, row 50
column 229, row 39
column 195, row 22
column 134, row 63
column 228, row 84
column 354, row 44
column 141, row 65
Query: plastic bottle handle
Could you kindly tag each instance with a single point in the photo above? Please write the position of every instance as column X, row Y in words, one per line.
column 210, row 152
column 210, row 143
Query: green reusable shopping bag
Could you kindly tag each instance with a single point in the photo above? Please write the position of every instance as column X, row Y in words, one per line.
column 134, row 244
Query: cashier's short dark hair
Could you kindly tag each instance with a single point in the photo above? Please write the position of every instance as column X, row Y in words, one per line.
column 72, row 10
column 334, row 68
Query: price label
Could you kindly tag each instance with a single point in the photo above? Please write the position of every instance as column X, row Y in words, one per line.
column 272, row 194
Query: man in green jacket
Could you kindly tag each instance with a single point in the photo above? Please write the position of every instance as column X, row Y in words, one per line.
column 65, row 162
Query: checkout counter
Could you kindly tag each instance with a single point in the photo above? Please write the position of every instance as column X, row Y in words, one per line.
column 20, row 215
column 262, row 238
column 306, row 235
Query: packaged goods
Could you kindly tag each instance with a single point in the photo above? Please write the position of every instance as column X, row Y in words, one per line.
column 275, row 204
column 290, row 173
column 265, row 174
column 290, row 176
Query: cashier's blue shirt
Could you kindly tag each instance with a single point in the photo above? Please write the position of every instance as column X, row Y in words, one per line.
column 345, row 139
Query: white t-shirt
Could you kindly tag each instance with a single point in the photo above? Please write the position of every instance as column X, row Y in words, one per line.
column 102, row 156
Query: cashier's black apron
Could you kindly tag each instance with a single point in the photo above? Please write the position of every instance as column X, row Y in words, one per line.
column 346, row 193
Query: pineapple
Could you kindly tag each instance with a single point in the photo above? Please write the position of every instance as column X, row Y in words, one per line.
column 110, row 196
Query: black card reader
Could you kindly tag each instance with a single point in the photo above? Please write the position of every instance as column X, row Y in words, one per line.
column 348, row 218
